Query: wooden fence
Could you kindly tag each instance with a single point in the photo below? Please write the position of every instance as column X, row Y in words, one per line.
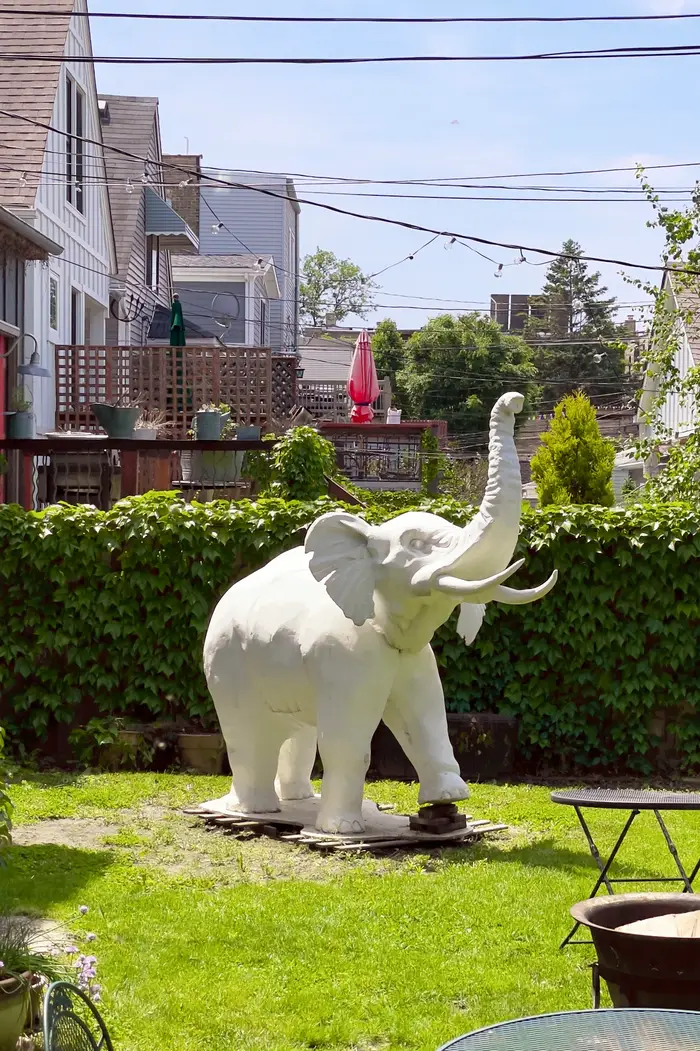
column 175, row 380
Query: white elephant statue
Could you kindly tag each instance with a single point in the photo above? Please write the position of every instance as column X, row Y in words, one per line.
column 332, row 637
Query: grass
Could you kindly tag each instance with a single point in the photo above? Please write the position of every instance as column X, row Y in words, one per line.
column 205, row 940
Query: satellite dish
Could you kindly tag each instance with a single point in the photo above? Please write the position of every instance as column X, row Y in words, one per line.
column 221, row 317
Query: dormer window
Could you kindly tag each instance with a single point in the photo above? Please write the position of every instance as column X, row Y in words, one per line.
column 75, row 147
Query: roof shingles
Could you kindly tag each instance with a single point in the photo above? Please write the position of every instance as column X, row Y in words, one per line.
column 29, row 89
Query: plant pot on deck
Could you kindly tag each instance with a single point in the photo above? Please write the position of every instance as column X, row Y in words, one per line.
column 14, row 1010
column 222, row 468
column 118, row 421
column 202, row 752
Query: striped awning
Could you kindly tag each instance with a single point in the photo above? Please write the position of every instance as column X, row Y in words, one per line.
column 163, row 221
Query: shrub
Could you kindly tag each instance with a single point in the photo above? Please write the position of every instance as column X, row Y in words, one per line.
column 574, row 464
column 104, row 614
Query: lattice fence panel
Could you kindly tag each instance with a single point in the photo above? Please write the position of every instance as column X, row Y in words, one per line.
column 175, row 380
column 328, row 399
column 284, row 385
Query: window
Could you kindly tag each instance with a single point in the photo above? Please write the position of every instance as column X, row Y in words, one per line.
column 152, row 262
column 76, row 334
column 53, row 302
column 263, row 322
column 75, row 127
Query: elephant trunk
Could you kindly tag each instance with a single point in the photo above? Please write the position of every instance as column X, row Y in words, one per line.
column 491, row 536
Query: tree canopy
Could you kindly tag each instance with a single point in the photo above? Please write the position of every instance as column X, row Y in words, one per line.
column 455, row 368
column 573, row 330
column 333, row 286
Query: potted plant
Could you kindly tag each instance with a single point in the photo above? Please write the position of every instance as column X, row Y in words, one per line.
column 119, row 418
column 202, row 750
column 22, row 965
column 149, row 424
column 210, row 420
column 20, row 422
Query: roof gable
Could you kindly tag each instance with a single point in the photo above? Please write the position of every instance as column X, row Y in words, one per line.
column 29, row 88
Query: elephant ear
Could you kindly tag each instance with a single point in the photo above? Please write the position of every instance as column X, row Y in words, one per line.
column 341, row 561
column 471, row 616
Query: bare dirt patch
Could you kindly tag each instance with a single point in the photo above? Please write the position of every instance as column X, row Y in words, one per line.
column 83, row 833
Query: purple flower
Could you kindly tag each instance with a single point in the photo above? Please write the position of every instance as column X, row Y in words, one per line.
column 90, row 937
column 83, row 909
column 96, row 997
column 90, row 959
column 95, row 990
column 2, row 965
column 71, row 949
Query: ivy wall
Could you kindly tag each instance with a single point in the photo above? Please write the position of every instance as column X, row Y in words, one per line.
column 104, row 612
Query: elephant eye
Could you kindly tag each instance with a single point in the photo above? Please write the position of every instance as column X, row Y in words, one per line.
column 423, row 547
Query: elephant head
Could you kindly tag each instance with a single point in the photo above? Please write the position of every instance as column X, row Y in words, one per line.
column 408, row 574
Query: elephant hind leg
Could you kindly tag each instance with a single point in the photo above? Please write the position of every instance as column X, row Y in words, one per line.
column 296, row 760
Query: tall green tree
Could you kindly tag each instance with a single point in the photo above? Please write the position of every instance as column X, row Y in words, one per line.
column 333, row 286
column 457, row 367
column 389, row 348
column 572, row 326
column 574, row 464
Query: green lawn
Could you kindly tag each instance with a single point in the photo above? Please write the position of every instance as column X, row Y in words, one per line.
column 207, row 941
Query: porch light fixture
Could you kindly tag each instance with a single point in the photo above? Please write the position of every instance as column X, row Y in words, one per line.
column 33, row 366
column 300, row 372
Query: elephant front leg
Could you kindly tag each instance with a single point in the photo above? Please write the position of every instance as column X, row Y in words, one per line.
column 415, row 714
column 345, row 731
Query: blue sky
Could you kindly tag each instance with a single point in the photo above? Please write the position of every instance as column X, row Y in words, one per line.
column 399, row 122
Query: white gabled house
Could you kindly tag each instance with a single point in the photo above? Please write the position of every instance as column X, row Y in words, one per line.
column 677, row 416
column 57, row 182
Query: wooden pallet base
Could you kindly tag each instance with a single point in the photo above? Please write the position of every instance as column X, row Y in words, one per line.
column 384, row 828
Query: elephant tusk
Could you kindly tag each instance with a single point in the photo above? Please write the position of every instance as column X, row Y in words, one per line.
column 457, row 587
column 511, row 597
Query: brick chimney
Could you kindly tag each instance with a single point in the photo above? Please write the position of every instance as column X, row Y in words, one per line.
column 184, row 199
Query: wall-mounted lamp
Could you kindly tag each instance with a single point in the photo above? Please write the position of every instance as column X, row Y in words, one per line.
column 33, row 366
column 300, row 373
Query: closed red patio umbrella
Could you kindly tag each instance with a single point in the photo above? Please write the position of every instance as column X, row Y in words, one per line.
column 363, row 385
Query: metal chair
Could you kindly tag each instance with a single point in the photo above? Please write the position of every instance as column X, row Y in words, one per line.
column 72, row 1022
column 623, row 1029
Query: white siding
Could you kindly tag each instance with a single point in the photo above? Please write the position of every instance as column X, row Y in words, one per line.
column 86, row 239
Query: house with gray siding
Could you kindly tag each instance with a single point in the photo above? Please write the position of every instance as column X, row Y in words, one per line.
column 146, row 227
column 257, row 214
column 229, row 298
column 57, row 183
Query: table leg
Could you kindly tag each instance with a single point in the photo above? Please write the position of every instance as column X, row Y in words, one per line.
column 603, row 867
column 674, row 854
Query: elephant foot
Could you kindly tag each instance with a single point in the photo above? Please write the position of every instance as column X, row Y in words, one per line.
column 290, row 792
column 225, row 803
column 443, row 789
column 345, row 824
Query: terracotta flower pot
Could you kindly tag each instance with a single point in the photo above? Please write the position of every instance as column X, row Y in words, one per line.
column 202, row 752
column 14, row 1009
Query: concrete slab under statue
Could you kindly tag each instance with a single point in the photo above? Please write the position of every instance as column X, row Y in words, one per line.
column 318, row 646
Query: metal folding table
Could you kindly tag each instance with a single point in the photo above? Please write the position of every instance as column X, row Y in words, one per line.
column 623, row 1029
column 634, row 802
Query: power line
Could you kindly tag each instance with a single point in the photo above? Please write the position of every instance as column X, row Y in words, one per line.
column 381, row 20
column 403, row 224
column 640, row 51
column 453, row 179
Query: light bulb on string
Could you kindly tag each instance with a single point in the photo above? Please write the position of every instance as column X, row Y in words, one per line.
column 499, row 272
column 448, row 244
column 217, row 227
column 129, row 186
column 144, row 179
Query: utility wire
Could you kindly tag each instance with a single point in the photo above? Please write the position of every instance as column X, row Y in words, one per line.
column 641, row 51
column 53, row 12
column 428, row 181
column 403, row 224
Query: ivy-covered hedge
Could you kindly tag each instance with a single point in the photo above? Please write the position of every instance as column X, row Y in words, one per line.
column 105, row 612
